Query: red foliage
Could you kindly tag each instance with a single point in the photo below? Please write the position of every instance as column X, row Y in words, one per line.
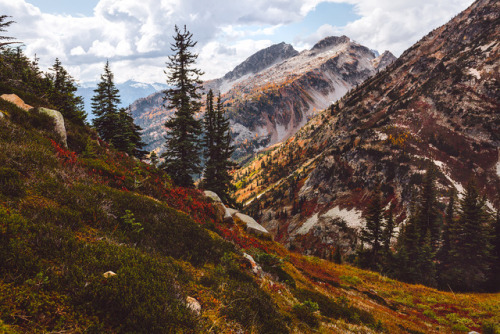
column 65, row 156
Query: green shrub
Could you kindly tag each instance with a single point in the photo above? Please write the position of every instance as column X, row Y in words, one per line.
column 490, row 328
column 336, row 309
column 306, row 312
column 272, row 264
column 11, row 184
column 253, row 309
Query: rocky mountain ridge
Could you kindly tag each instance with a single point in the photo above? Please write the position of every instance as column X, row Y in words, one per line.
column 437, row 103
column 275, row 91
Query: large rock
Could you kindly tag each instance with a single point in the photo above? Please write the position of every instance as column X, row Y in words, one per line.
column 13, row 98
column 251, row 225
column 212, row 195
column 256, row 269
column 59, row 123
column 193, row 305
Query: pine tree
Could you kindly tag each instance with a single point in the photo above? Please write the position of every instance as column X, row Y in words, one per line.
column 470, row 251
column 494, row 275
column 127, row 137
column 447, row 240
column 428, row 215
column 62, row 94
column 182, row 154
column 372, row 232
column 3, row 25
column 105, row 107
column 153, row 158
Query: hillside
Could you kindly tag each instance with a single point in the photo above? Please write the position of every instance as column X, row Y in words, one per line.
column 437, row 103
column 274, row 92
column 94, row 241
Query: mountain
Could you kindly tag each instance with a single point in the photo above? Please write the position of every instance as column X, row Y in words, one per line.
column 92, row 240
column 274, row 92
column 437, row 103
column 130, row 91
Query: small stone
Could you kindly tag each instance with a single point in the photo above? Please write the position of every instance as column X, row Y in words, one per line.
column 108, row 274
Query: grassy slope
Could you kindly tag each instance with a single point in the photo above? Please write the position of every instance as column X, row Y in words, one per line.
column 63, row 223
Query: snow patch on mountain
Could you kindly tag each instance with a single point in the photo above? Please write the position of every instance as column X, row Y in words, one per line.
column 353, row 217
column 309, row 223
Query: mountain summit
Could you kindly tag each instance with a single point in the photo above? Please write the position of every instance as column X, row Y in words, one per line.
column 274, row 92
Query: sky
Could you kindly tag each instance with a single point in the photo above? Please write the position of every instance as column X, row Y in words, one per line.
column 135, row 35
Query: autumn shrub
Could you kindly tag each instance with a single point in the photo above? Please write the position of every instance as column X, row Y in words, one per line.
column 11, row 183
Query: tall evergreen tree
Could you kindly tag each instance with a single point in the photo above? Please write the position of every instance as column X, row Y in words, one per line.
column 218, row 150
column 127, row 137
column 470, row 251
column 428, row 214
column 5, row 23
column 372, row 232
column 105, row 107
column 182, row 149
column 447, row 240
column 494, row 277
column 62, row 94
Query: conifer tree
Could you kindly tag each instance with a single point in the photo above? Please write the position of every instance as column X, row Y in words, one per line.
column 372, row 232
column 447, row 240
column 4, row 40
column 428, row 214
column 470, row 255
column 218, row 150
column 105, row 107
column 153, row 158
column 127, row 137
column 182, row 149
column 494, row 277
column 62, row 94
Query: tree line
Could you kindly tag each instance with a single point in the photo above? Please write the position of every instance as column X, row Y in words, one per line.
column 458, row 249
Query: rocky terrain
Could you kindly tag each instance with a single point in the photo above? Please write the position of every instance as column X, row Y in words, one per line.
column 275, row 91
column 438, row 103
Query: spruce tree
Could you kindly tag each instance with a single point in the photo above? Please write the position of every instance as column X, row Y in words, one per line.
column 471, row 252
column 428, row 215
column 447, row 240
column 219, row 151
column 4, row 40
column 372, row 232
column 494, row 275
column 62, row 94
column 105, row 107
column 127, row 137
column 182, row 151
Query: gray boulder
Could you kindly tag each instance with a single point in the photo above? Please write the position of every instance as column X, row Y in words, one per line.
column 251, row 225
column 213, row 196
column 193, row 305
column 59, row 123
column 2, row 115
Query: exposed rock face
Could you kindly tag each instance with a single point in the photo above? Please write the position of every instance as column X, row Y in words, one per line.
column 274, row 92
column 261, row 60
column 438, row 102
column 251, row 225
column 13, row 98
column 222, row 213
column 59, row 123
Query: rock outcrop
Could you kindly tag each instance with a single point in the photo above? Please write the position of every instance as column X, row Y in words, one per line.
column 60, row 129
column 13, row 98
column 193, row 305
column 251, row 225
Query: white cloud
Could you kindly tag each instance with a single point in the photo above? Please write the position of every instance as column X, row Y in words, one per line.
column 136, row 35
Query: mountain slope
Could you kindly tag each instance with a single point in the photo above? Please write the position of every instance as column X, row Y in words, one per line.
column 94, row 241
column 274, row 92
column 439, row 101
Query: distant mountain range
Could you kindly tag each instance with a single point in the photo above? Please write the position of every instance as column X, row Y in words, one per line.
column 274, row 92
column 439, row 103
column 130, row 91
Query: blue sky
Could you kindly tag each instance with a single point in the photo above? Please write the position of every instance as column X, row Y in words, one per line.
column 135, row 35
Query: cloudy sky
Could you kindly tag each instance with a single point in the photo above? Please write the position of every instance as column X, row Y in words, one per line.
column 135, row 35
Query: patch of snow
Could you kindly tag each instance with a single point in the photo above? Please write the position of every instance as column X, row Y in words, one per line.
column 474, row 72
column 381, row 135
column 443, row 169
column 351, row 217
column 498, row 165
column 306, row 227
